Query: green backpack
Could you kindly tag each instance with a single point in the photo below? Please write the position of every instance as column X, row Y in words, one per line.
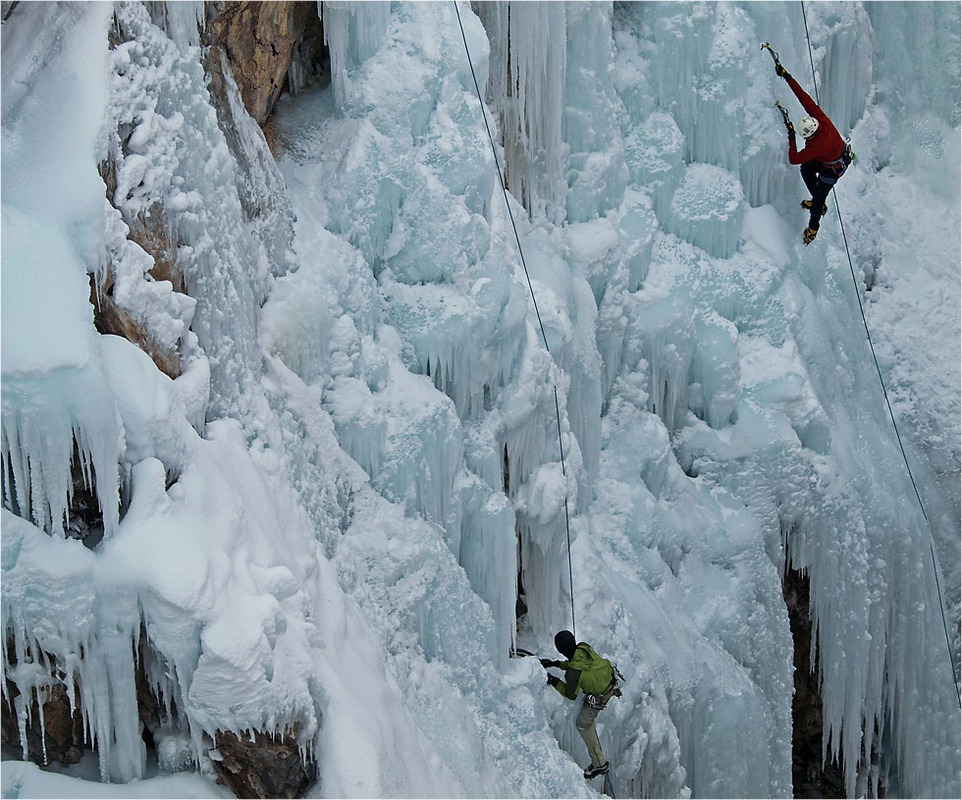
column 597, row 673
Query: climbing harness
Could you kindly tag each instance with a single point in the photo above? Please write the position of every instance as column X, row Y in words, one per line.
column 831, row 171
column 878, row 369
column 534, row 300
column 600, row 700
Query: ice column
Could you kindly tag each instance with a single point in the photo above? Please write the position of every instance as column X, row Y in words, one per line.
column 596, row 172
column 352, row 32
column 526, row 85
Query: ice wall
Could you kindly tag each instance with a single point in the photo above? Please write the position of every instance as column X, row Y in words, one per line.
column 352, row 502
column 438, row 295
column 822, row 415
column 85, row 410
column 352, row 32
column 161, row 110
column 56, row 409
column 526, row 84
column 708, row 107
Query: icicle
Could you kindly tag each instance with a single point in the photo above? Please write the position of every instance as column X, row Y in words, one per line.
column 352, row 31
column 181, row 21
column 488, row 552
column 47, row 420
column 526, row 85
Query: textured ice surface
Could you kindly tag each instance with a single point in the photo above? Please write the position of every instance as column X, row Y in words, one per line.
column 334, row 516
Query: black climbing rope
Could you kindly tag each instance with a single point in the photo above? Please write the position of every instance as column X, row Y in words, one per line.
column 534, row 300
column 888, row 404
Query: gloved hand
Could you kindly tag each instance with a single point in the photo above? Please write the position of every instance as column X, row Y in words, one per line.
column 547, row 662
column 553, row 680
column 791, row 130
column 781, row 72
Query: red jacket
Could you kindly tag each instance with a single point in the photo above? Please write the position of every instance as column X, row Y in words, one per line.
column 826, row 145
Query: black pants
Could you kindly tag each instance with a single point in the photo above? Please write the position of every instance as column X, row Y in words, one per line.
column 818, row 188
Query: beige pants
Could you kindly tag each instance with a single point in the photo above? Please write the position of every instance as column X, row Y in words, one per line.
column 586, row 727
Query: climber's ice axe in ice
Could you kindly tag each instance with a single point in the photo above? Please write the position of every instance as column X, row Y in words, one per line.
column 785, row 118
column 779, row 70
column 774, row 55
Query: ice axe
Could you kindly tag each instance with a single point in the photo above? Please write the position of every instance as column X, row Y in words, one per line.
column 774, row 55
column 780, row 71
column 785, row 118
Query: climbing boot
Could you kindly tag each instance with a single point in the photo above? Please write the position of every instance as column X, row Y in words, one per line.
column 591, row 771
column 809, row 235
column 807, row 205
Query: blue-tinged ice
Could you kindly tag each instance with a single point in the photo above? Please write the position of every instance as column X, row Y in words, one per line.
column 398, row 449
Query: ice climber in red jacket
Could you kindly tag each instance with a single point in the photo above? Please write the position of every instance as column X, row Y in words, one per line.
column 825, row 158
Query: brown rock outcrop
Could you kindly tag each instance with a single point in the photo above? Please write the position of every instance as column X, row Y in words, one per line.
column 811, row 777
column 111, row 318
column 260, row 765
column 260, row 40
column 60, row 738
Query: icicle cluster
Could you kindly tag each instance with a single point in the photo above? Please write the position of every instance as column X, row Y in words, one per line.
column 350, row 507
column 526, row 85
column 352, row 32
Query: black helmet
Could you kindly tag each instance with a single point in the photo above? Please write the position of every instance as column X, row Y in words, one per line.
column 564, row 641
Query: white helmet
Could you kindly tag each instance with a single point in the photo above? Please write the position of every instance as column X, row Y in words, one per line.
column 808, row 126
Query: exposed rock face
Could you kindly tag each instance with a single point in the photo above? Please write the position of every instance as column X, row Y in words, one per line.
column 152, row 233
column 810, row 777
column 86, row 518
column 263, row 766
column 111, row 318
column 61, row 739
column 261, row 41
column 251, row 765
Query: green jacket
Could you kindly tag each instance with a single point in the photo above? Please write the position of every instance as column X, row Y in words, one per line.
column 585, row 671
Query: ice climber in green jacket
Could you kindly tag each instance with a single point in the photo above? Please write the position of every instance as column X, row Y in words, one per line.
column 588, row 672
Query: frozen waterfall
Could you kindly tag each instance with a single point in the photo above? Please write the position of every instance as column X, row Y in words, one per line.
column 306, row 480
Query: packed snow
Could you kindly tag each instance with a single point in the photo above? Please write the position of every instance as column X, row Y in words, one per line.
column 399, row 448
